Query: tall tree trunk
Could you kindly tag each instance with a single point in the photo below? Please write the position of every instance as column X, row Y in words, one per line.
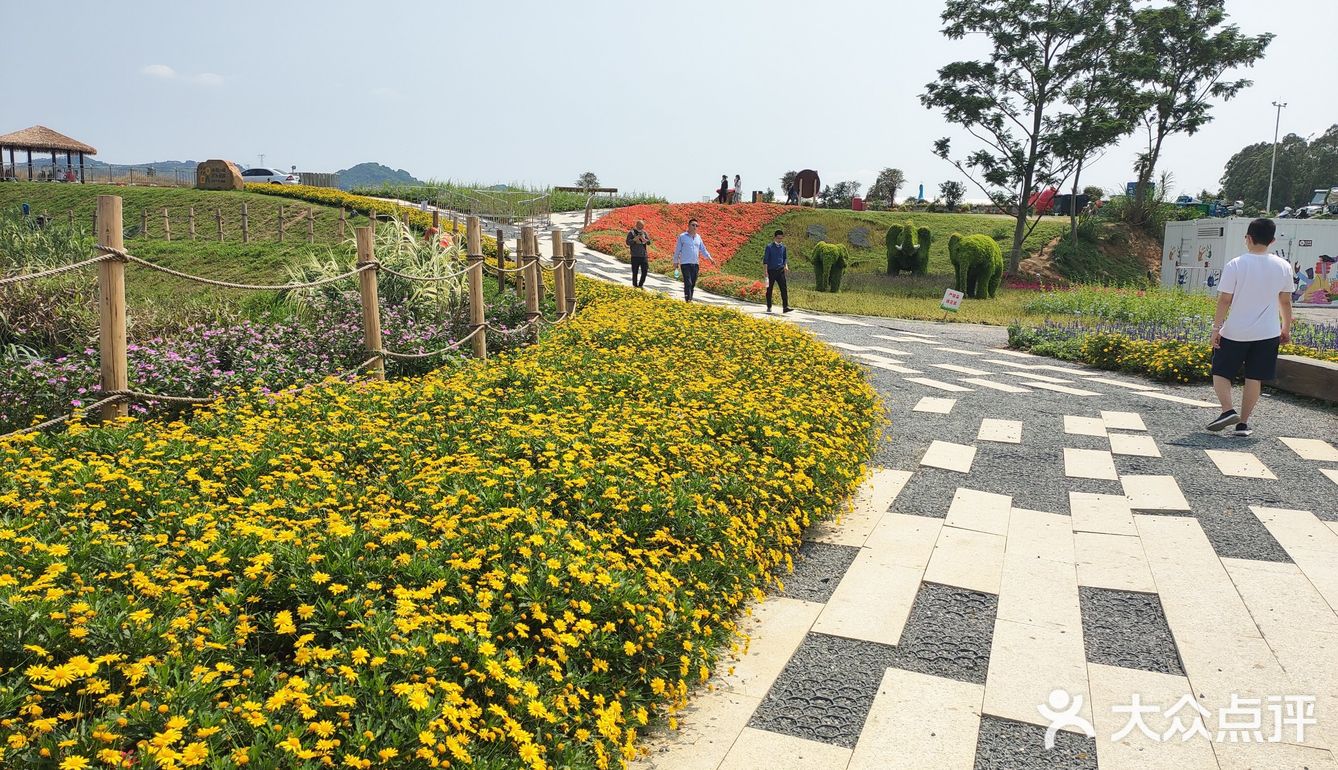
column 1073, row 206
column 1028, row 177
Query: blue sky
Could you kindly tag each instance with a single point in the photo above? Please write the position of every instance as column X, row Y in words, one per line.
column 655, row 96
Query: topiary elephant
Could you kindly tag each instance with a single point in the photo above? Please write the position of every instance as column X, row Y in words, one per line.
column 830, row 261
column 978, row 263
column 908, row 249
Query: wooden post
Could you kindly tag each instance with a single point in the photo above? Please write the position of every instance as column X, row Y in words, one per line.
column 569, row 253
column 436, row 219
column 191, row 219
column 280, row 223
column 526, row 244
column 246, row 224
column 477, row 321
column 95, row 220
column 69, row 219
column 343, row 215
column 559, row 273
column 501, row 260
column 311, row 225
column 371, row 303
column 144, row 223
column 539, row 271
column 218, row 218
column 111, row 306
column 167, row 226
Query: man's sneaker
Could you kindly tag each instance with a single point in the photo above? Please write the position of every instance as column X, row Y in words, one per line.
column 1242, row 430
column 1228, row 418
column 788, row 310
column 768, row 308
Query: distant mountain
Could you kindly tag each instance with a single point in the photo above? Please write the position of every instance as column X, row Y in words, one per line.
column 372, row 175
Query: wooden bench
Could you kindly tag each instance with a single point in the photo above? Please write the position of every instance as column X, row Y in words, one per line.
column 1310, row 377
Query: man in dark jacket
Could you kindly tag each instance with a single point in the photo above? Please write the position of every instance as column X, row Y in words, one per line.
column 777, row 264
column 637, row 241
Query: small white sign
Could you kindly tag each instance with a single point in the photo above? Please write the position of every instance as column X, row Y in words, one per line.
column 952, row 300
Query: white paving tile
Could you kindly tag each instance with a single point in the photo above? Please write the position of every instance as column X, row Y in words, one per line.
column 963, row 370
column 1063, row 389
column 1239, row 464
column 898, row 736
column 707, row 729
column 932, row 383
column 1178, row 399
column 1312, row 449
column 890, row 338
column 1089, row 464
column 903, row 540
column 1040, row 535
column 774, row 630
column 1002, row 431
column 1312, row 546
column 1123, row 420
column 981, row 511
column 1153, row 493
column 1114, row 687
column 1196, row 593
column 1108, row 514
column 1027, row 663
column 1112, row 561
column 1084, row 426
column 1041, row 378
column 1121, row 383
column 764, row 750
column 1272, row 756
column 889, row 351
column 1009, row 364
column 1003, row 386
column 872, row 602
column 961, row 351
column 1016, row 353
column 1039, row 592
column 1135, row 444
column 934, row 405
column 967, row 559
column 867, row 507
column 949, row 456
column 1332, row 473
column 887, row 364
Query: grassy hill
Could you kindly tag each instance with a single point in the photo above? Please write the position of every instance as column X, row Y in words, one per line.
column 261, row 260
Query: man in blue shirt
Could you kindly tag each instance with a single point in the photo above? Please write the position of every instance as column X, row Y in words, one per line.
column 777, row 264
column 686, row 249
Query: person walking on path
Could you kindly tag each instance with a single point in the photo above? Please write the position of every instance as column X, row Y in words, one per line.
column 687, row 248
column 738, row 189
column 1254, row 316
column 637, row 241
column 723, row 197
column 777, row 265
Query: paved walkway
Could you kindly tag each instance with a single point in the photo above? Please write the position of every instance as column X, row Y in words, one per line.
column 1040, row 537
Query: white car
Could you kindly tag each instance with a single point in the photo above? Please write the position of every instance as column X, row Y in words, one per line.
column 269, row 175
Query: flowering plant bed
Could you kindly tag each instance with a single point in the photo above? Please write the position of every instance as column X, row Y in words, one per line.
column 724, row 229
column 515, row 563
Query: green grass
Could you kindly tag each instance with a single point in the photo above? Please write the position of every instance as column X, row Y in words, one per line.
column 263, row 259
column 457, row 195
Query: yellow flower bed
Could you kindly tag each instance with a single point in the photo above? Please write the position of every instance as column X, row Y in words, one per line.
column 331, row 196
column 512, row 564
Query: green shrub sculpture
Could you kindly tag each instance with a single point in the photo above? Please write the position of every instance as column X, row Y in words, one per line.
column 830, row 261
column 978, row 263
column 908, row 249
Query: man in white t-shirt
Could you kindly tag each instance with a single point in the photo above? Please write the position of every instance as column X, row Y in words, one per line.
column 1254, row 316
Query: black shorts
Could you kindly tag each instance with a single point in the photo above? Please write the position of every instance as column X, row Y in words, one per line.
column 1259, row 357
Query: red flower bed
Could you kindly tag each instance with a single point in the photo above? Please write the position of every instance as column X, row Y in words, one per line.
column 733, row 286
column 723, row 228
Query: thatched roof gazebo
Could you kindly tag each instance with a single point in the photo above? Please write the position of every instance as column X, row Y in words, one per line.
column 42, row 139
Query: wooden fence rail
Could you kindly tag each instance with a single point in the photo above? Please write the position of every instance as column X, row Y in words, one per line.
column 112, row 260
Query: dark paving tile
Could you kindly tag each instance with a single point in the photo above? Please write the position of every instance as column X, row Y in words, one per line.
column 825, row 691
column 1127, row 629
column 818, row 568
column 928, row 493
column 1006, row 745
column 948, row 633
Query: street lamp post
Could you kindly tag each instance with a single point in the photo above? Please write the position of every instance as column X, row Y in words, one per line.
column 1268, row 206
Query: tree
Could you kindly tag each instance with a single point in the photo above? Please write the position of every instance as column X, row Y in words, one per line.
column 952, row 193
column 1003, row 102
column 1182, row 51
column 1093, row 193
column 839, row 195
column 787, row 180
column 886, row 185
column 587, row 181
column 1103, row 102
column 1245, row 177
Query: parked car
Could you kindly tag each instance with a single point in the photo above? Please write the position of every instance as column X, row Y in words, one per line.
column 263, row 175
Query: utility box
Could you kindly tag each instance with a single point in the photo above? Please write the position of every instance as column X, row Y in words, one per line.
column 856, row 203
column 1194, row 252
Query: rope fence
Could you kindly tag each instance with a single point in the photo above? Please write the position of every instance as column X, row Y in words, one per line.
column 112, row 259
